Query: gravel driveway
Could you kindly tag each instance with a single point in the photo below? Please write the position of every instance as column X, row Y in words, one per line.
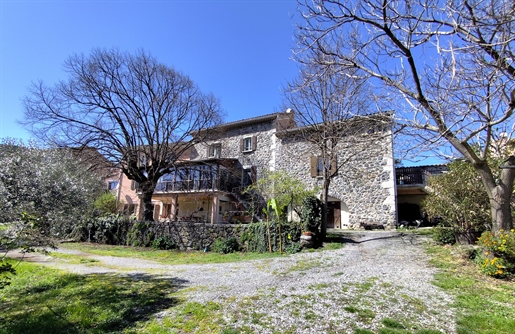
column 376, row 275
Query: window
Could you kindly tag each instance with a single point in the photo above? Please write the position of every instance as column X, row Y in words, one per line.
column 215, row 151
column 248, row 144
column 112, row 185
column 319, row 163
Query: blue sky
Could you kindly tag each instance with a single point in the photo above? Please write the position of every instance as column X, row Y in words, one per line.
column 239, row 50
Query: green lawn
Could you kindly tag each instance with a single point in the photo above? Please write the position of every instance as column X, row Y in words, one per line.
column 41, row 300
column 484, row 304
column 171, row 257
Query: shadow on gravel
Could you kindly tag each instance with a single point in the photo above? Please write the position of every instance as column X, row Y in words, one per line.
column 360, row 238
column 96, row 303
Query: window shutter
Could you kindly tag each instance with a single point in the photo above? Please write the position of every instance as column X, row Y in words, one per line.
column 253, row 174
column 241, row 145
column 313, row 166
column 333, row 166
column 254, row 143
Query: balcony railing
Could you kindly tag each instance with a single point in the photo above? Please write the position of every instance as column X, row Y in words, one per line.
column 410, row 176
column 193, row 185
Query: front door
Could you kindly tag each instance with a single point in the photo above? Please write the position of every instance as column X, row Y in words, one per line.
column 333, row 215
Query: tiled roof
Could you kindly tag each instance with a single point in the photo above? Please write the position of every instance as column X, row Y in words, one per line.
column 246, row 121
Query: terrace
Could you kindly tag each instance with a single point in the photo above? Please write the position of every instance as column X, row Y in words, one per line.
column 413, row 180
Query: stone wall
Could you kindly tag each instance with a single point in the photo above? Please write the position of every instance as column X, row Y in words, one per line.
column 196, row 236
column 261, row 158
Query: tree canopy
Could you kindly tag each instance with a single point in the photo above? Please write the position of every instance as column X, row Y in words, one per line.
column 43, row 193
column 135, row 111
column 445, row 67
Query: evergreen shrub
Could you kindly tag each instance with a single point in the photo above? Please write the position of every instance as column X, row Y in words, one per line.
column 225, row 246
column 444, row 235
column 163, row 243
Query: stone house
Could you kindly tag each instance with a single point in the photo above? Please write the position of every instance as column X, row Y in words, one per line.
column 207, row 185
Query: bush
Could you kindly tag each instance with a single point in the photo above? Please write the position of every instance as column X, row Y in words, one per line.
column 141, row 234
column 106, row 204
column 311, row 214
column 293, row 248
column 225, row 246
column 163, row 243
column 109, row 229
column 496, row 256
column 444, row 236
column 459, row 198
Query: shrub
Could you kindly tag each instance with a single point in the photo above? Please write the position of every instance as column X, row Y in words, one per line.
column 444, row 236
column 459, row 198
column 163, row 243
column 6, row 271
column 141, row 234
column 106, row 203
column 496, row 256
column 311, row 214
column 293, row 248
column 109, row 229
column 225, row 246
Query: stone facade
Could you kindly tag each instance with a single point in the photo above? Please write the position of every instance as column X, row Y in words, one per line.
column 362, row 192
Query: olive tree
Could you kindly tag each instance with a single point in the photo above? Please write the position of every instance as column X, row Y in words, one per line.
column 287, row 191
column 135, row 111
column 44, row 193
column 447, row 67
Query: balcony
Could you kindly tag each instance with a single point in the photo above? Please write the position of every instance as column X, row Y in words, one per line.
column 203, row 177
column 410, row 176
column 413, row 180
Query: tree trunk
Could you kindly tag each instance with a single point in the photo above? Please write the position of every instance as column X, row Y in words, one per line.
column 324, row 199
column 499, row 192
column 147, row 190
column 500, row 204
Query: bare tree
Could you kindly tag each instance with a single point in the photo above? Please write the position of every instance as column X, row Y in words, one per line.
column 137, row 112
column 334, row 112
column 449, row 65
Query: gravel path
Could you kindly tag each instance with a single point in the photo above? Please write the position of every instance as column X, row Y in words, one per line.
column 376, row 275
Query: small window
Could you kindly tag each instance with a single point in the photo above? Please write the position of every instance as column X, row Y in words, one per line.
column 112, row 185
column 248, row 144
column 215, row 151
column 319, row 163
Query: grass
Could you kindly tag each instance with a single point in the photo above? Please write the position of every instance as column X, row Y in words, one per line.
column 484, row 304
column 41, row 300
column 170, row 257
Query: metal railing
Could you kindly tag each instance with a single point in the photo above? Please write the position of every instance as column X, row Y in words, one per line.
column 410, row 176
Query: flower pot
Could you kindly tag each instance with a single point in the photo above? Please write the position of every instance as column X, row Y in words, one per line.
column 467, row 237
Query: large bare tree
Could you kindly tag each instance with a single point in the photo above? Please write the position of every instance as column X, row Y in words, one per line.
column 447, row 65
column 134, row 110
column 334, row 111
